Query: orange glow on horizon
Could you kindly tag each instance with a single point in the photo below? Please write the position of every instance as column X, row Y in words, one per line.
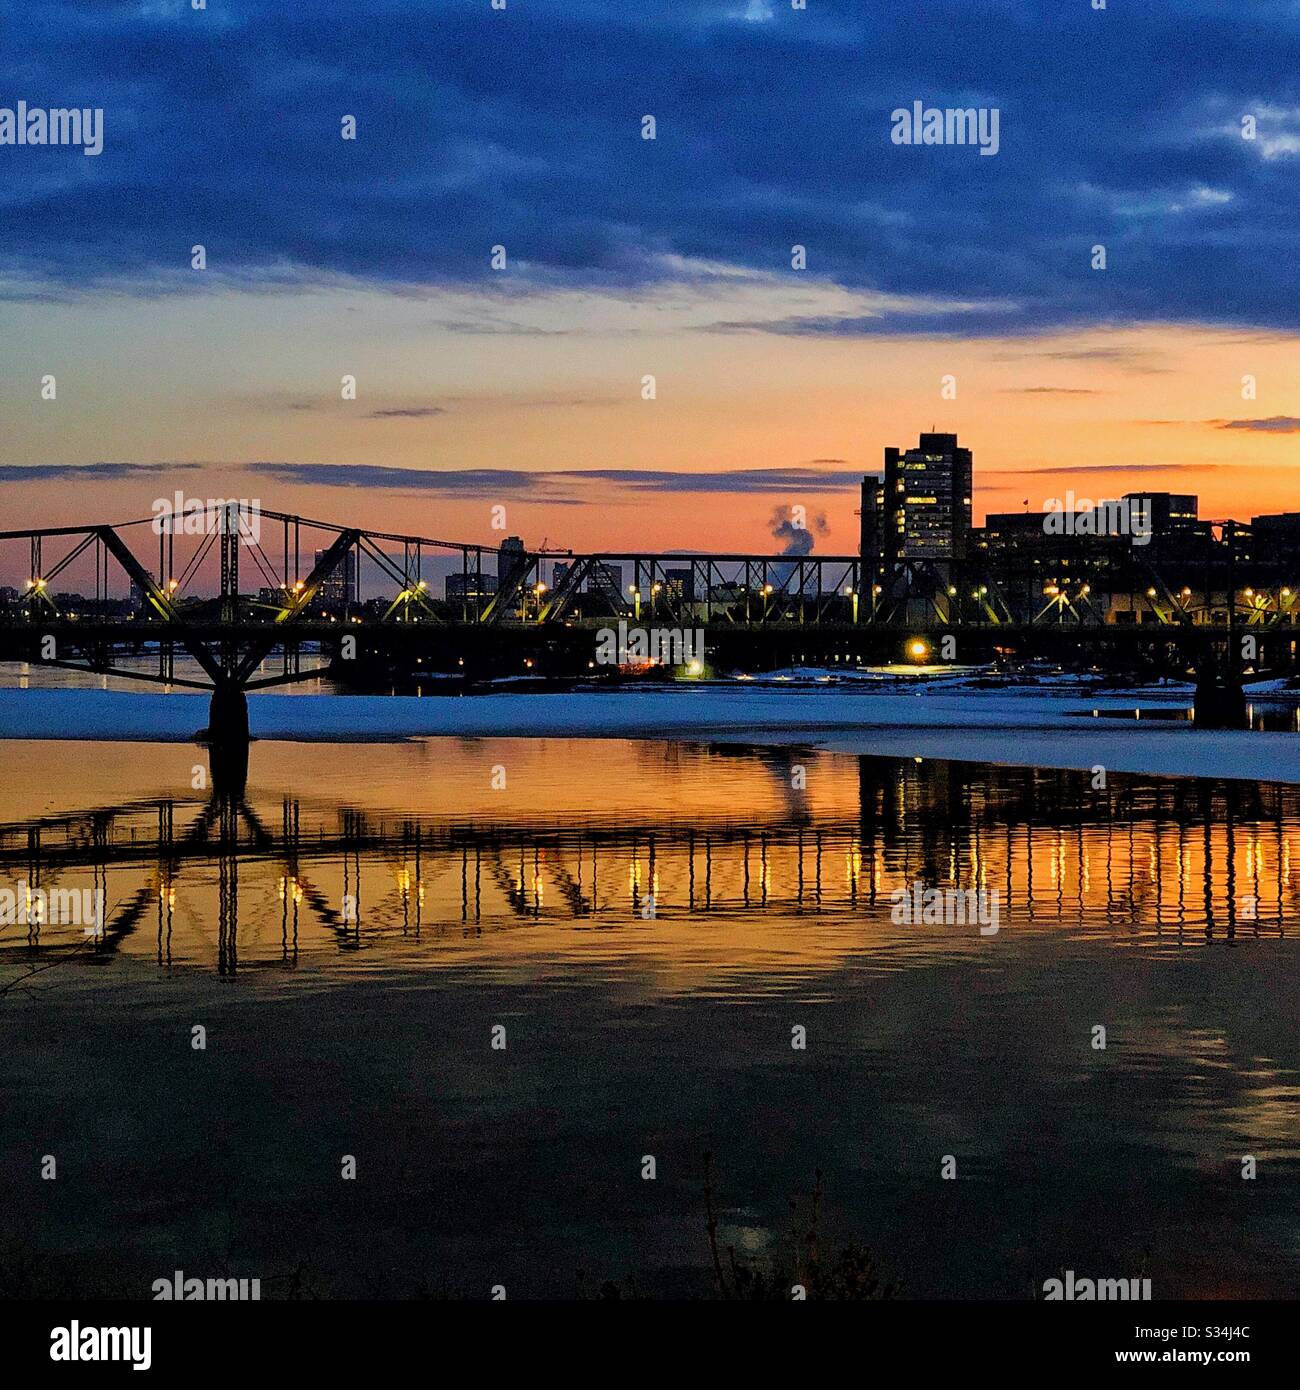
column 1098, row 413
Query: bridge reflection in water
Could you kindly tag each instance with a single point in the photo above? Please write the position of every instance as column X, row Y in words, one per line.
column 266, row 879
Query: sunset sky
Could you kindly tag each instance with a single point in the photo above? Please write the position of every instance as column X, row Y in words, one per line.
column 628, row 257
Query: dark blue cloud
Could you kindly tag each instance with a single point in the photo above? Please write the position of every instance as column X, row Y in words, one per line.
column 522, row 127
column 559, row 485
column 45, row 472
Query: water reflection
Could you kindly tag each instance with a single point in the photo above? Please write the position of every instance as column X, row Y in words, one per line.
column 353, row 929
column 381, row 859
column 1262, row 716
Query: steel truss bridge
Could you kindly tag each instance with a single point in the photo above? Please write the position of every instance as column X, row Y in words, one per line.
column 514, row 609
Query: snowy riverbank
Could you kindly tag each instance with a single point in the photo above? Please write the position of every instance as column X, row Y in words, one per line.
column 1032, row 727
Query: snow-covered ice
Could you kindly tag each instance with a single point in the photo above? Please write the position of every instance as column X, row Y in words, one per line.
column 1029, row 727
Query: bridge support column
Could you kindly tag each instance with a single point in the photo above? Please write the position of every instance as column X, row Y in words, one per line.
column 227, row 740
column 1220, row 702
column 228, row 715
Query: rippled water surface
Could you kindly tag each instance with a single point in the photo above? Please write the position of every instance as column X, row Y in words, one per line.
column 648, row 928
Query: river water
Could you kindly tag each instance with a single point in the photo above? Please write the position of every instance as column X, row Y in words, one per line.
column 521, row 988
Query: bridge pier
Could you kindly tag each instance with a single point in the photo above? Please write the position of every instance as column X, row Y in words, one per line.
column 1220, row 702
column 228, row 715
column 227, row 739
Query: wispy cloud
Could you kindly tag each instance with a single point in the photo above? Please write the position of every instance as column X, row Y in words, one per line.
column 46, row 472
column 1051, row 391
column 1269, row 424
column 563, row 485
column 1105, row 468
column 1272, row 424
